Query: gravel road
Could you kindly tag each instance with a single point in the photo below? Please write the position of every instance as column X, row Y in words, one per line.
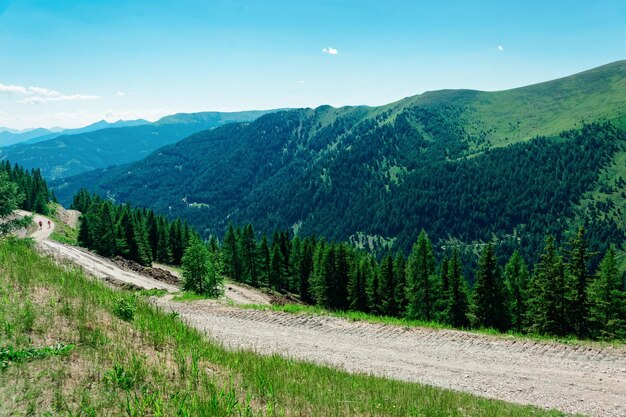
column 573, row 379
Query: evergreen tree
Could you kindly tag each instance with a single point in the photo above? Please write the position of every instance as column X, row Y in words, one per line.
column 306, row 270
column 250, row 255
column 153, row 232
column 277, row 271
column 387, row 287
column 317, row 283
column 399, row 270
column 607, row 313
column 104, row 231
column 442, row 286
column 455, row 313
column 357, row 294
column 338, row 287
column 577, row 266
column 489, row 296
column 516, row 274
column 231, row 255
column 420, row 270
column 176, row 244
column 163, row 253
column 374, row 304
column 201, row 270
column 295, row 259
column 84, row 233
column 550, row 294
column 265, row 261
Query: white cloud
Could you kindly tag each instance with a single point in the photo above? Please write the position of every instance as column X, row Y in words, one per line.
column 14, row 89
column 62, row 97
column 35, row 95
column 500, row 48
column 301, row 82
column 46, row 92
column 330, row 51
column 120, row 93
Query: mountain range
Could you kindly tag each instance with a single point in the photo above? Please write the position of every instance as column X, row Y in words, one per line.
column 10, row 137
column 467, row 166
column 103, row 144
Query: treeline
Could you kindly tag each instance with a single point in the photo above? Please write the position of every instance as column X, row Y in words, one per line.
column 558, row 296
column 136, row 234
column 30, row 185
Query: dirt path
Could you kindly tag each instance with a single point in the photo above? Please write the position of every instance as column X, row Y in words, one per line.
column 569, row 378
column 39, row 234
column 93, row 264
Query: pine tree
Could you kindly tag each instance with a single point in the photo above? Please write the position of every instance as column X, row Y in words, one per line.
column 577, row 266
column 84, row 233
column 489, row 297
column 420, row 270
column 265, row 261
column 163, row 253
column 338, row 287
column 442, row 286
column 306, row 270
column 202, row 272
column 104, row 231
column 456, row 310
column 153, row 232
column 357, row 294
column 144, row 254
column 231, row 255
column 277, row 270
column 550, row 294
column 295, row 259
column 176, row 244
column 317, row 283
column 374, row 304
column 399, row 270
column 607, row 312
column 516, row 273
column 387, row 287
column 250, row 255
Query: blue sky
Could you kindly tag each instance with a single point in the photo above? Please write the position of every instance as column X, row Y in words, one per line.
column 70, row 63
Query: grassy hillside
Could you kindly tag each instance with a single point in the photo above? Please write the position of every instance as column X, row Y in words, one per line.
column 71, row 154
column 72, row 346
column 548, row 108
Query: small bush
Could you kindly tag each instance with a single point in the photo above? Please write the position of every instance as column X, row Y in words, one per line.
column 125, row 308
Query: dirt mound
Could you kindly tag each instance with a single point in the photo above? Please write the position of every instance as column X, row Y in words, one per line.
column 282, row 299
column 155, row 273
column 69, row 217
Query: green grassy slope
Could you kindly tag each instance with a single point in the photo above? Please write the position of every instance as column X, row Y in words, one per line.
column 152, row 364
column 510, row 116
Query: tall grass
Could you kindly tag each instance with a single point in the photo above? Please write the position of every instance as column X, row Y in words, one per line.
column 153, row 364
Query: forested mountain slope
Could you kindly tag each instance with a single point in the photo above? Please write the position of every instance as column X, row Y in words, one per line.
column 456, row 163
column 66, row 155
